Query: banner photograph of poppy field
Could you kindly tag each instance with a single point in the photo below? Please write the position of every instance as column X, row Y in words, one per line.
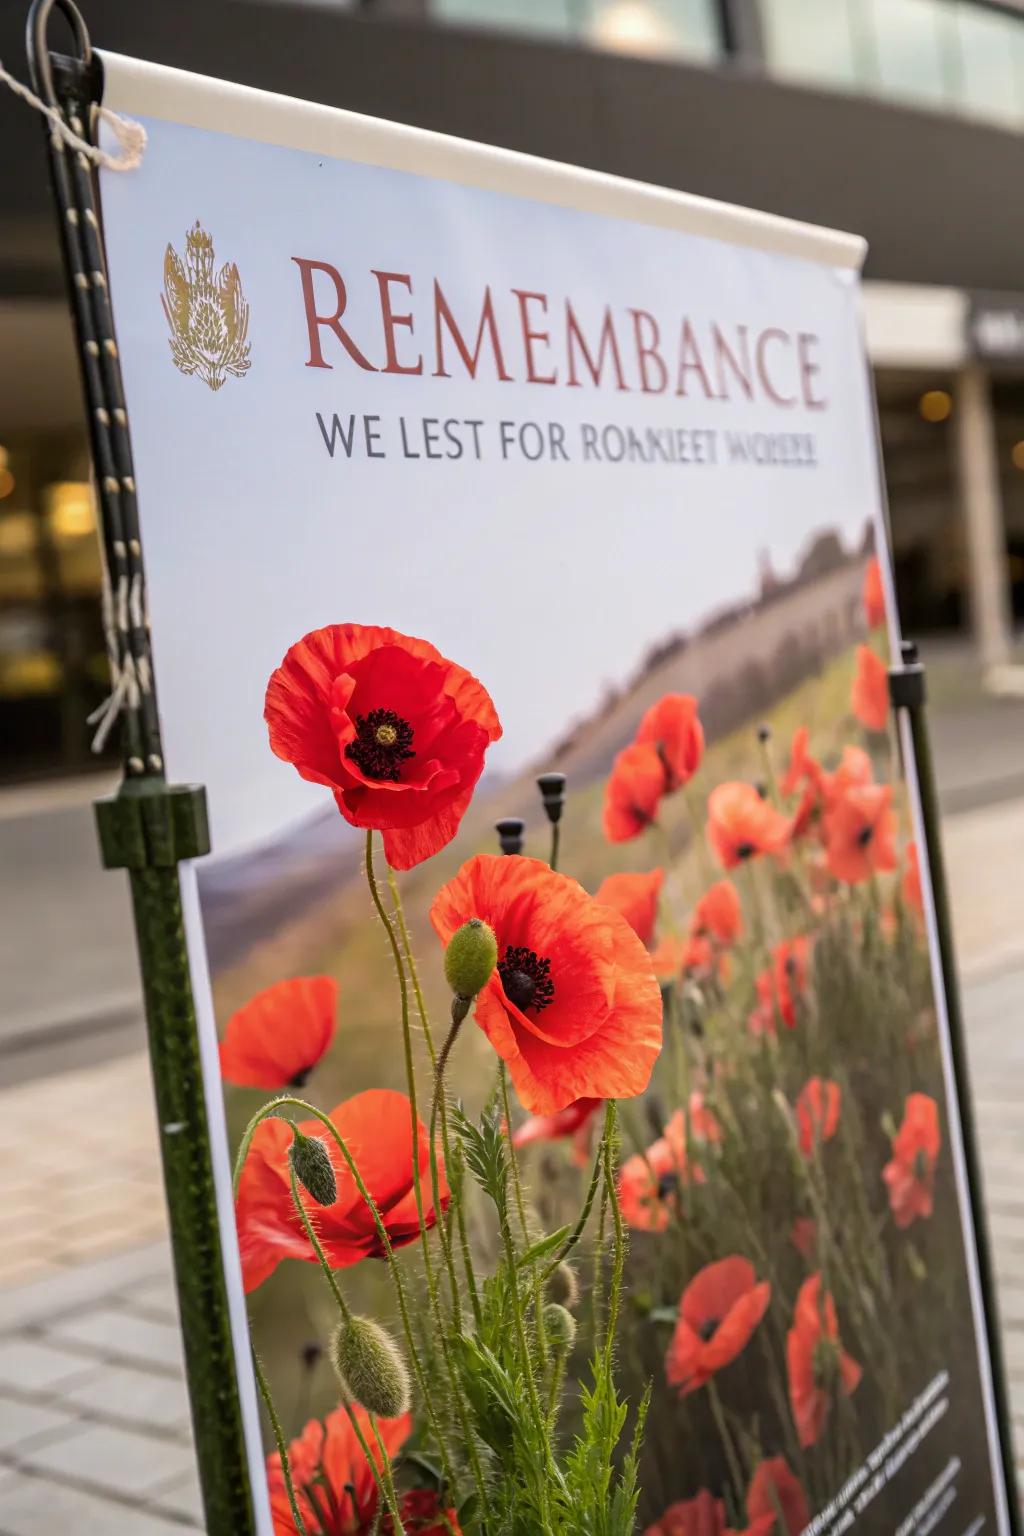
column 519, row 592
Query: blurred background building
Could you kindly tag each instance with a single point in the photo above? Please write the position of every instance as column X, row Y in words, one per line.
column 899, row 119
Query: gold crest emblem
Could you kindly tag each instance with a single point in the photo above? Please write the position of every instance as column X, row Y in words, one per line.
column 208, row 314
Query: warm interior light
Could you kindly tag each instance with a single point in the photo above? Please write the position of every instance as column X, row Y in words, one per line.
column 935, row 405
column 631, row 27
column 6, row 480
column 17, row 535
column 1017, row 455
column 70, row 509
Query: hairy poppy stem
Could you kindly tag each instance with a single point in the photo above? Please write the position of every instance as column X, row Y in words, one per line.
column 421, row 1008
column 289, row 1101
column 619, row 1251
column 588, row 1204
column 410, row 1072
column 556, row 837
column 517, row 1185
column 279, row 1440
column 389, row 1494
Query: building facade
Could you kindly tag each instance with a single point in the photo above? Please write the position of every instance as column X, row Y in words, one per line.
column 900, row 119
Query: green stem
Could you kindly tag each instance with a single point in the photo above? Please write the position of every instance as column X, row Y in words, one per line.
column 556, row 836
column 290, row 1101
column 519, row 1321
column 435, row 1180
column 577, row 1231
column 421, row 1008
column 735, row 1471
column 410, row 1073
column 555, row 1389
column 390, row 1496
column 279, row 1440
column 410, row 960
column 382, row 1477
column 517, row 1185
column 619, row 1260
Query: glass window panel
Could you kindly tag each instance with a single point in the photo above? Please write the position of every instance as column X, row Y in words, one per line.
column 665, row 28
column 807, row 40
column 560, row 18
column 915, row 45
column 991, row 63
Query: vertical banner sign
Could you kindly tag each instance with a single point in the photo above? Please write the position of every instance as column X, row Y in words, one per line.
column 457, row 469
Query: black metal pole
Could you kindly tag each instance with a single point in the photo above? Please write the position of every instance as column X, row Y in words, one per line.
column 908, row 692
column 149, row 826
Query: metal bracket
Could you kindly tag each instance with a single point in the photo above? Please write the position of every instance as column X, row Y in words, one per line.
column 152, row 825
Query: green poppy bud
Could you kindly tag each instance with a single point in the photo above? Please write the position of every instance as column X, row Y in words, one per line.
column 470, row 958
column 312, row 1166
column 560, row 1326
column 564, row 1286
column 370, row 1368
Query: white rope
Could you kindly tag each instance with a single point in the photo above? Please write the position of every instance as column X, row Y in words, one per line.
column 129, row 134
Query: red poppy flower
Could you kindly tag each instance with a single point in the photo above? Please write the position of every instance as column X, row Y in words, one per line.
column 910, row 1176
column 376, row 1127
column 802, row 766
column 672, row 727
column 741, row 825
column 575, row 1123
column 817, row 1113
column 633, row 792
column 853, row 772
column 910, row 884
column 718, row 1312
column 774, row 1490
column 869, row 697
column 790, row 975
column 386, row 722
column 804, row 1235
column 278, row 1037
column 718, row 914
column 762, row 1016
column 334, row 1484
column 649, row 1182
column 703, row 1515
column 873, row 594
column 693, row 956
column 636, row 898
column 573, row 1005
column 816, row 1360
column 861, row 833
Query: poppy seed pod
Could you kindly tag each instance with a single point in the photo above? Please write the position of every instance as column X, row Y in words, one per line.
column 552, row 789
column 561, row 1327
column 510, row 834
column 564, row 1285
column 311, row 1164
column 470, row 958
column 764, row 733
column 370, row 1368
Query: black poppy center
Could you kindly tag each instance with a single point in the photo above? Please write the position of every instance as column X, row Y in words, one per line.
column 526, row 977
column 864, row 836
column 708, row 1329
column 383, row 743
column 668, row 1184
column 744, row 850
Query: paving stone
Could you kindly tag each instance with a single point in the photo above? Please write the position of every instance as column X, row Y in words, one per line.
column 30, row 1506
column 120, row 1392
column 181, row 1498
column 113, row 1331
column 108, row 1457
column 23, row 1423
column 40, row 1366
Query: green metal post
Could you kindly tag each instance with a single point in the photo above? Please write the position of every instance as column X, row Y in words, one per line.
column 147, row 828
